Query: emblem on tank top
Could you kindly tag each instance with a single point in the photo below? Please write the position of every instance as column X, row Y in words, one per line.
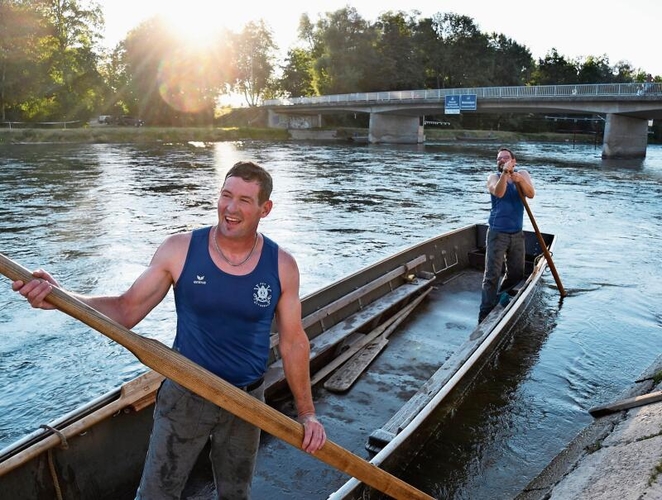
column 200, row 280
column 262, row 295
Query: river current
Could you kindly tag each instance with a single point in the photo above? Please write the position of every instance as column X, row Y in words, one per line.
column 94, row 214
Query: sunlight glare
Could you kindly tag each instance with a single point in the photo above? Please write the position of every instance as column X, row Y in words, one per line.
column 199, row 21
column 184, row 80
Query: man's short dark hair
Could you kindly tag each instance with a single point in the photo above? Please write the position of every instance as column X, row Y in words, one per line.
column 512, row 155
column 252, row 172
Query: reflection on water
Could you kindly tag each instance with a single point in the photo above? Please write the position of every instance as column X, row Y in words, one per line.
column 93, row 216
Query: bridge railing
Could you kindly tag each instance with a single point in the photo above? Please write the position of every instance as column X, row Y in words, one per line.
column 528, row 92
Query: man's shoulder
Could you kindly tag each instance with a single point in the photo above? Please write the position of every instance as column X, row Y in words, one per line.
column 285, row 254
column 176, row 246
column 179, row 238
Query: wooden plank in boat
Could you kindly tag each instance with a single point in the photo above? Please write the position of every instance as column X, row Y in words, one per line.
column 360, row 292
column 337, row 333
column 355, row 295
column 381, row 437
column 390, row 324
column 343, row 379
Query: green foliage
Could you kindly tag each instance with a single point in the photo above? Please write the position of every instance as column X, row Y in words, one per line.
column 297, row 77
column 48, row 49
column 253, row 55
column 21, row 29
column 342, row 52
column 52, row 68
column 398, row 63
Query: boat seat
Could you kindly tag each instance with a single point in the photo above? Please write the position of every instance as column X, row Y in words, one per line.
column 477, row 258
column 335, row 335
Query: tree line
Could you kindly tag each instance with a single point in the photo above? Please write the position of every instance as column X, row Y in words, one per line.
column 54, row 68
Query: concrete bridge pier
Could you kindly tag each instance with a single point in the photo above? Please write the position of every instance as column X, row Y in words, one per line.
column 301, row 122
column 393, row 129
column 625, row 137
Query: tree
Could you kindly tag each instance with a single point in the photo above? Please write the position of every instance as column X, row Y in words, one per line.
column 297, row 79
column 595, row 69
column 20, row 30
column 511, row 63
column 166, row 80
column 398, row 62
column 554, row 69
column 431, row 49
column 74, row 86
column 463, row 51
column 254, row 50
column 624, row 73
column 343, row 52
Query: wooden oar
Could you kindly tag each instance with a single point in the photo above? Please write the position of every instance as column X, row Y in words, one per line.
column 173, row 365
column 543, row 245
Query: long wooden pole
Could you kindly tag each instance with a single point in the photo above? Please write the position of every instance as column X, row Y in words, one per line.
column 626, row 404
column 174, row 366
column 543, row 245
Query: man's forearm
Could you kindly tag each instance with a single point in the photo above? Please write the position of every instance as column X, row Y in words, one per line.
column 296, row 364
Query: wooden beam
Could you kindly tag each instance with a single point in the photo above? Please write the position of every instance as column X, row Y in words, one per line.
column 626, row 404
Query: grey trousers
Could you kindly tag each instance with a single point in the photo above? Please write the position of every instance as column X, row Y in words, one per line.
column 501, row 247
column 183, row 424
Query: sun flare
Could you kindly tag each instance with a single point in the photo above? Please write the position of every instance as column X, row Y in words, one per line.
column 190, row 67
column 200, row 22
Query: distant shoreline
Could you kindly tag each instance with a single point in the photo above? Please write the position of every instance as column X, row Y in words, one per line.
column 118, row 135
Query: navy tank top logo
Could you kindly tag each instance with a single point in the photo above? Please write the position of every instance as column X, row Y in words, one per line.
column 262, row 295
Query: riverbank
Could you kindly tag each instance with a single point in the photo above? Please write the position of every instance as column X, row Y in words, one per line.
column 106, row 134
column 617, row 457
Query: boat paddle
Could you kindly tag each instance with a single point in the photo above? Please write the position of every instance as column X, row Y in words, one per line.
column 543, row 245
column 180, row 369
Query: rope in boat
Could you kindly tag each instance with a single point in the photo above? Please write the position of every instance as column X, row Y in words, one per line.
column 51, row 462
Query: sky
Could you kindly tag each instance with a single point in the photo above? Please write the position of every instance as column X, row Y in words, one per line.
column 621, row 30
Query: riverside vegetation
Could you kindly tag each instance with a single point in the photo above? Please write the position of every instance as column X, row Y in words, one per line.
column 236, row 126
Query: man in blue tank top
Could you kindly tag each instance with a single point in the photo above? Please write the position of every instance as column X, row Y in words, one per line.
column 505, row 239
column 230, row 282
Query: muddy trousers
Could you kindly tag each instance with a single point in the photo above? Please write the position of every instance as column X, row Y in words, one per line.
column 500, row 248
column 183, row 424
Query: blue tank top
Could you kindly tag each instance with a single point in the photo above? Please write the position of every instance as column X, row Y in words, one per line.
column 224, row 321
column 507, row 214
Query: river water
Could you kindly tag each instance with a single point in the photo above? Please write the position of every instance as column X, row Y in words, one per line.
column 94, row 214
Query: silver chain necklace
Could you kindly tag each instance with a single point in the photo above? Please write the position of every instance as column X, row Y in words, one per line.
column 218, row 249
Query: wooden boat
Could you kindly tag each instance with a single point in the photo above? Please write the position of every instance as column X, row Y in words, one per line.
column 392, row 346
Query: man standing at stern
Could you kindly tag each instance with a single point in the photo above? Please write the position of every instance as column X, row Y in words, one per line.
column 230, row 282
column 505, row 238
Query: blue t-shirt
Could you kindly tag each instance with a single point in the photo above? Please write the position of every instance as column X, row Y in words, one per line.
column 224, row 321
column 507, row 214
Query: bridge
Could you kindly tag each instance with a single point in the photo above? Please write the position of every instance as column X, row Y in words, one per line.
column 397, row 116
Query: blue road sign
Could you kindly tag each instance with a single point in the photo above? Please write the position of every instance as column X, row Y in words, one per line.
column 468, row 102
column 452, row 105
